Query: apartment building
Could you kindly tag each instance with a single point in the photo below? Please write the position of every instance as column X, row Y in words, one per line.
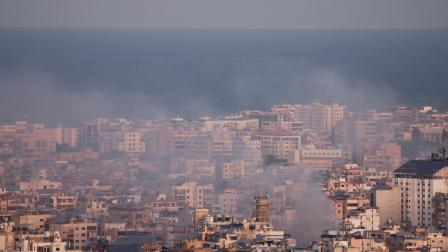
column 77, row 232
column 68, row 136
column 317, row 116
column 131, row 142
column 279, row 144
column 39, row 242
column 227, row 201
column 420, row 181
column 440, row 212
column 195, row 195
column 249, row 150
column 232, row 169
column 319, row 159
column 386, row 200
column 36, row 141
column 232, row 123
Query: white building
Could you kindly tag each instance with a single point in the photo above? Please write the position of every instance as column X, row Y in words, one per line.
column 367, row 219
column 49, row 242
column 419, row 181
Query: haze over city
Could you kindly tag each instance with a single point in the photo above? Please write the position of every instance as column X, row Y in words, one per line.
column 251, row 125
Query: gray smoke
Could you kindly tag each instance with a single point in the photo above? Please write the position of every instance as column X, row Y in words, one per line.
column 38, row 96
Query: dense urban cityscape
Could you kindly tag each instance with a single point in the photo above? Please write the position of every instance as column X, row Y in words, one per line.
column 236, row 125
column 298, row 177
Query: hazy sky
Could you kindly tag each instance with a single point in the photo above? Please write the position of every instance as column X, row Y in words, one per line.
column 283, row 14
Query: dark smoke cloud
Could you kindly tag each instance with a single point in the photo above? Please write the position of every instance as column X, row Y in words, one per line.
column 73, row 75
column 37, row 96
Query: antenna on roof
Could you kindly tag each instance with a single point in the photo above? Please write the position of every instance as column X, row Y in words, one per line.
column 442, row 155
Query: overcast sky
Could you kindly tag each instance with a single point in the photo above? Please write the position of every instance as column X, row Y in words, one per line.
column 245, row 14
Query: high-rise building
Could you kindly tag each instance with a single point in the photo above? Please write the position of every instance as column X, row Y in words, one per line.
column 68, row 136
column 420, row 181
column 317, row 116
column 89, row 133
column 440, row 213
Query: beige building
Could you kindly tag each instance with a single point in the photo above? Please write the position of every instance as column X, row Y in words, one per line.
column 196, row 167
column 131, row 142
column 285, row 125
column 386, row 200
column 249, row 150
column 63, row 200
column 233, row 169
column 190, row 143
column 279, row 144
column 386, row 158
column 194, row 195
column 222, row 143
column 317, row 116
column 315, row 158
column 227, row 201
column 36, row 141
column 67, row 136
column 34, row 221
column 39, row 184
column 76, row 232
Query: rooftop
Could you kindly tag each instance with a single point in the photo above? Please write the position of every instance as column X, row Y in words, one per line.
column 268, row 132
column 421, row 168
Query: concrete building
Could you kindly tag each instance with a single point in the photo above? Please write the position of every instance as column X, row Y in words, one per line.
column 351, row 131
column 419, row 181
column 386, row 200
column 249, row 150
column 232, row 169
column 39, row 184
column 133, row 215
column 261, row 209
column 279, row 144
column 367, row 219
column 64, row 200
column 227, row 201
column 131, row 142
column 76, row 232
column 35, row 141
column 7, row 144
column 317, row 116
column 232, row 123
column 68, row 136
column 387, row 157
column 34, row 221
column 89, row 133
column 196, row 167
column 310, row 156
column 38, row 242
column 431, row 133
column 194, row 195
column 440, row 212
